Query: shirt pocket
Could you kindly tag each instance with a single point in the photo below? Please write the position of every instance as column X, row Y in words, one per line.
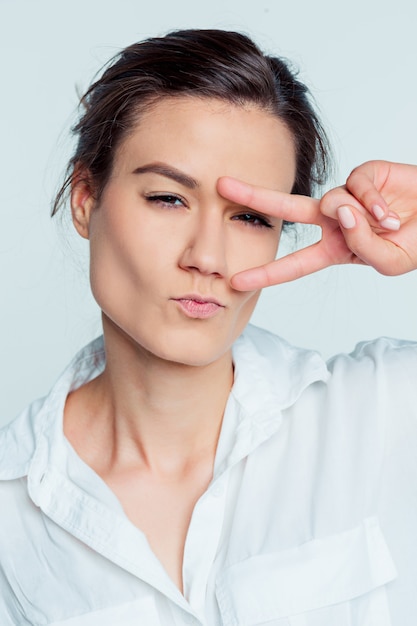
column 338, row 579
column 140, row 611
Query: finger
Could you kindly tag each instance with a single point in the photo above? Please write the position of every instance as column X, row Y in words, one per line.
column 367, row 247
column 293, row 266
column 337, row 197
column 365, row 183
column 340, row 196
column 290, row 207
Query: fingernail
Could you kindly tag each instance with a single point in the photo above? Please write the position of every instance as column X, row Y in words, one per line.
column 346, row 217
column 378, row 211
column 390, row 223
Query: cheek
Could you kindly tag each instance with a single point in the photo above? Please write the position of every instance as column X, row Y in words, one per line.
column 119, row 258
column 244, row 312
column 249, row 303
column 252, row 249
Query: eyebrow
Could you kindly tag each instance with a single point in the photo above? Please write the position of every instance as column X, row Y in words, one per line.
column 169, row 172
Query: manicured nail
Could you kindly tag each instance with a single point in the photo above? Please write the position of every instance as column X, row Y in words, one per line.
column 390, row 223
column 346, row 217
column 378, row 211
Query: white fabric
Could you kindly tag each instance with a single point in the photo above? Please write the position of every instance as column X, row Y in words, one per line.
column 310, row 519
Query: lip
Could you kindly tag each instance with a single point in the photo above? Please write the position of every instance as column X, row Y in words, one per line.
column 199, row 307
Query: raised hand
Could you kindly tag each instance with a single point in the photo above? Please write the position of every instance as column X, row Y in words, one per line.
column 372, row 220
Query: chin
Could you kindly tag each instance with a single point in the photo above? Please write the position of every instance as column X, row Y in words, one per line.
column 190, row 349
column 197, row 344
column 196, row 356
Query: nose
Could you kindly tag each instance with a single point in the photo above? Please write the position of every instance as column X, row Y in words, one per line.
column 205, row 249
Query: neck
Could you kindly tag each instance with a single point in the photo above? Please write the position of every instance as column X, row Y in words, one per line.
column 149, row 412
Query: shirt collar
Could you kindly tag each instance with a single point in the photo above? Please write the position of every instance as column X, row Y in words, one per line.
column 270, row 375
column 270, row 369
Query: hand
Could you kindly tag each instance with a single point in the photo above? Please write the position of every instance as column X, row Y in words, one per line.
column 372, row 220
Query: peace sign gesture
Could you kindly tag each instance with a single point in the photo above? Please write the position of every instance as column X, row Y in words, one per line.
column 372, row 220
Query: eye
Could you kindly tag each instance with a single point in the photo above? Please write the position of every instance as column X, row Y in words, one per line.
column 166, row 200
column 253, row 219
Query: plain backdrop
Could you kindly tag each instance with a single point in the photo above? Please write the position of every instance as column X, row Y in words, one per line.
column 359, row 60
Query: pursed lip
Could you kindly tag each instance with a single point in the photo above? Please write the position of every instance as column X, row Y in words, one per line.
column 198, row 306
column 199, row 298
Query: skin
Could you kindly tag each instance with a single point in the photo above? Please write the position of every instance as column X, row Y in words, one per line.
column 162, row 238
column 372, row 220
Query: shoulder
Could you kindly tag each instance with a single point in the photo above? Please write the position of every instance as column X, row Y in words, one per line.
column 367, row 404
column 18, row 442
column 41, row 422
column 375, row 356
column 381, row 349
column 383, row 367
column 387, row 361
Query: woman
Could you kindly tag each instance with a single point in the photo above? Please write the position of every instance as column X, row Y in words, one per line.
column 182, row 470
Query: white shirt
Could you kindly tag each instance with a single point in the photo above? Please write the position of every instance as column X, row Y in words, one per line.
column 310, row 519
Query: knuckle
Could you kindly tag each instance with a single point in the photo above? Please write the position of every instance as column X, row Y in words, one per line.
column 332, row 199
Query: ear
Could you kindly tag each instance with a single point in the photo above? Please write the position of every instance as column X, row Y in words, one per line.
column 82, row 202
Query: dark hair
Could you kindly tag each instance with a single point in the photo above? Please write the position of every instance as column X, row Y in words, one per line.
column 201, row 63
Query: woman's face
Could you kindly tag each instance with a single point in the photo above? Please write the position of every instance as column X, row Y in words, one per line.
column 164, row 243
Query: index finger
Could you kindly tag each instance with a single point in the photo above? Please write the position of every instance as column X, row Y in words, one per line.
column 291, row 267
column 290, row 207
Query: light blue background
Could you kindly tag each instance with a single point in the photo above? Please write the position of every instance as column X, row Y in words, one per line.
column 359, row 59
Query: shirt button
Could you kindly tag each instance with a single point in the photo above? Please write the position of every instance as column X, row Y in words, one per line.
column 217, row 491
